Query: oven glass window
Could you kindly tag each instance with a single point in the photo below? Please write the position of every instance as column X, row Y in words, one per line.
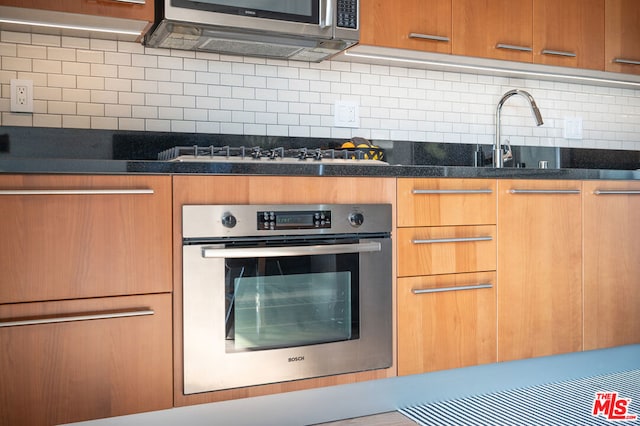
column 291, row 301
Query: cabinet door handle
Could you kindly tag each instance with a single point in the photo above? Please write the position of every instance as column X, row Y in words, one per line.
column 558, row 53
column 616, row 192
column 443, row 289
column 429, row 37
column 452, row 240
column 626, row 61
column 513, row 47
column 129, row 1
column 74, row 191
column 77, row 317
column 451, row 191
column 544, row 191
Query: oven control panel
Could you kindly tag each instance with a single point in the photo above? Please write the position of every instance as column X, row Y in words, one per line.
column 278, row 220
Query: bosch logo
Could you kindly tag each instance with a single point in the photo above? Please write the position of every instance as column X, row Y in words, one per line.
column 296, row 358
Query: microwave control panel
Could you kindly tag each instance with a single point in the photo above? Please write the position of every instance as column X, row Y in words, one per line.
column 348, row 14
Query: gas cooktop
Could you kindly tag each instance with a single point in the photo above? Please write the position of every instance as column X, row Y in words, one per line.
column 280, row 155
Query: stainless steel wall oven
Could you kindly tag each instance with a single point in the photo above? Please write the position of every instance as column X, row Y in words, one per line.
column 274, row 293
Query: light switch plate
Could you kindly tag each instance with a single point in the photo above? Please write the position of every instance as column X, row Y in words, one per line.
column 573, row 128
column 347, row 114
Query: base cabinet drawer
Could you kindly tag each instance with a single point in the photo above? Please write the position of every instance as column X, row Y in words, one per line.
column 446, row 321
column 446, row 202
column 83, row 236
column 84, row 359
column 446, row 250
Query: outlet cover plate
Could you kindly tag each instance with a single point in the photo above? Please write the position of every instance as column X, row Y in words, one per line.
column 347, row 114
column 573, row 128
column 21, row 95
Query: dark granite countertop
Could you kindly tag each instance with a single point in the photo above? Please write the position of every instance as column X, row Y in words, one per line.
column 72, row 151
column 74, row 166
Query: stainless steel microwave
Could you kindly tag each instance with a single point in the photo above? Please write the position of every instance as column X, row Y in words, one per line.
column 305, row 30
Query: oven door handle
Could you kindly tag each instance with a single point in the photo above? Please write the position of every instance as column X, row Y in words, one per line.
column 244, row 252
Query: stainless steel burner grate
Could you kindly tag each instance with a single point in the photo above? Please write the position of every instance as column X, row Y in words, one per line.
column 290, row 155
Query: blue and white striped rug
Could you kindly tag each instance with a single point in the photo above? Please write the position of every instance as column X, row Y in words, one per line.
column 570, row 402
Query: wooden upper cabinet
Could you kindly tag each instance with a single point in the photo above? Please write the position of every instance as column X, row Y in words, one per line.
column 127, row 9
column 498, row 29
column 407, row 24
column 569, row 33
column 78, row 236
column 622, row 36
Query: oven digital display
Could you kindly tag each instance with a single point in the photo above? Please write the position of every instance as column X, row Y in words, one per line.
column 275, row 220
column 295, row 220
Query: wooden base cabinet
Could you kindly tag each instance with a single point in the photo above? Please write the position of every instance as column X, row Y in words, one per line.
column 446, row 321
column 81, row 236
column 85, row 297
column 611, row 264
column 79, row 369
column 446, row 243
column 539, row 268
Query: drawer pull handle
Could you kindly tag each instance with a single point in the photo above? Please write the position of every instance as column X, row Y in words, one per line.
column 452, row 240
column 429, row 37
column 558, row 53
column 544, row 191
column 616, row 192
column 626, row 61
column 451, row 191
column 513, row 47
column 444, row 289
column 74, row 191
column 130, row 1
column 76, row 317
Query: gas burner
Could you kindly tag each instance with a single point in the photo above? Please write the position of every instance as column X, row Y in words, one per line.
column 278, row 155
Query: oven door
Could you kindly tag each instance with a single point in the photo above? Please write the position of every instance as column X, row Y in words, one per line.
column 277, row 310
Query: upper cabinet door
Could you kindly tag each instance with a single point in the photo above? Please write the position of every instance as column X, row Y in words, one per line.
column 622, row 41
column 569, row 33
column 499, row 29
column 407, row 24
column 128, row 9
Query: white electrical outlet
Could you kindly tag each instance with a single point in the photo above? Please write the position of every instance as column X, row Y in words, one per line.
column 21, row 95
column 347, row 114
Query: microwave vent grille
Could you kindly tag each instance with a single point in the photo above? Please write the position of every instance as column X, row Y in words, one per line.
column 248, row 48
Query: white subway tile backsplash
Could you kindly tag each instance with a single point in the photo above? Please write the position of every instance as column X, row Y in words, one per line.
column 104, row 96
column 76, row 95
column 85, row 83
column 93, row 110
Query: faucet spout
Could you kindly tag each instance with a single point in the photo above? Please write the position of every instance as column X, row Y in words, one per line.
column 497, row 146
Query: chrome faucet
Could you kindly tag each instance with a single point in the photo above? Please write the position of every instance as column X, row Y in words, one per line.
column 497, row 146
